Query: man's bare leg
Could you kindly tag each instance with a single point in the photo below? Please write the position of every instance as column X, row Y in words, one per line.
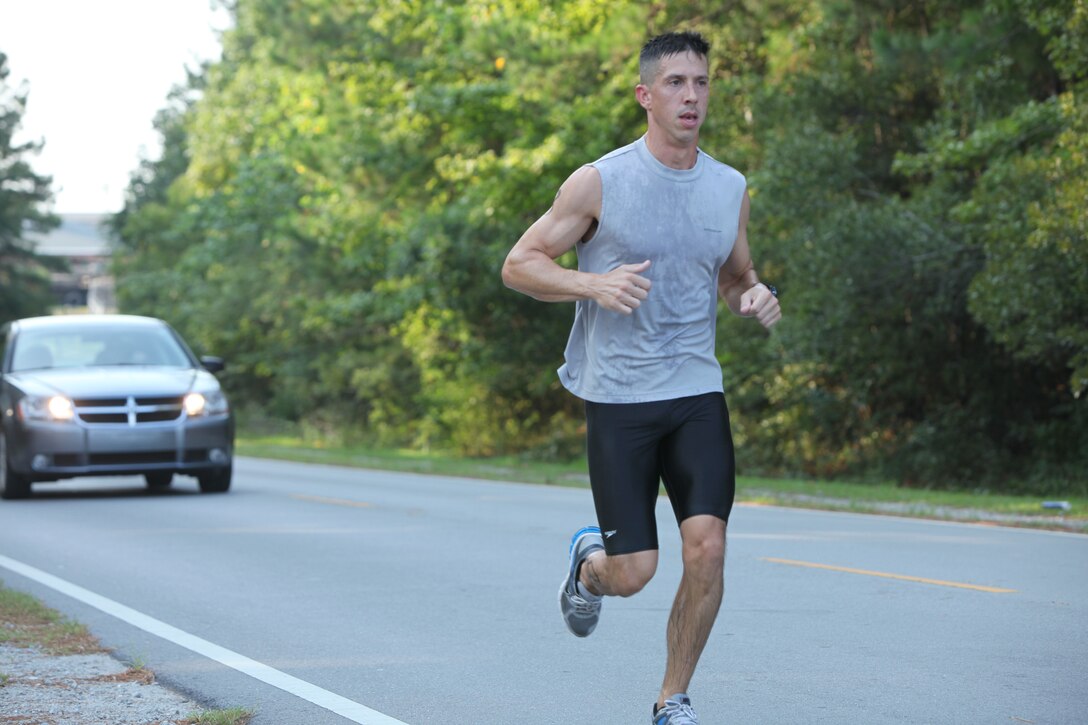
column 697, row 601
column 593, row 574
column 619, row 576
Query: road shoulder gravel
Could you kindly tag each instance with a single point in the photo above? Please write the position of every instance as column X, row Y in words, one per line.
column 84, row 689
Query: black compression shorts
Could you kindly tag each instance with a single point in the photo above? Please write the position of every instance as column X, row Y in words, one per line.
column 685, row 443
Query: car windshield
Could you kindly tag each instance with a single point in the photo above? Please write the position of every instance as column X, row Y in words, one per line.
column 97, row 346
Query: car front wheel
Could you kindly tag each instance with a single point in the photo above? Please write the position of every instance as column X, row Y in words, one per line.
column 216, row 480
column 13, row 485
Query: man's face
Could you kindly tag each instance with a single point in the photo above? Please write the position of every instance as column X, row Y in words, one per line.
column 676, row 100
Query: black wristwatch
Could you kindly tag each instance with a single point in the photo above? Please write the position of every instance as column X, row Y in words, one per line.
column 772, row 288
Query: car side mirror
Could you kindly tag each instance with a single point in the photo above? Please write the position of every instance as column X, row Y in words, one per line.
column 213, row 364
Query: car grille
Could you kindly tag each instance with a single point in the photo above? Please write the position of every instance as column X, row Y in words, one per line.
column 128, row 411
column 71, row 460
column 120, row 459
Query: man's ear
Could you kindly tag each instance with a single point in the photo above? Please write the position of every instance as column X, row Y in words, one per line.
column 642, row 94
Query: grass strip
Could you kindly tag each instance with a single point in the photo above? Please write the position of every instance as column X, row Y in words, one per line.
column 501, row 468
column 878, row 498
column 232, row 716
column 26, row 622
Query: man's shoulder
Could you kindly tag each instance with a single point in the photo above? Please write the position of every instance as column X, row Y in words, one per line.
column 617, row 153
column 720, row 168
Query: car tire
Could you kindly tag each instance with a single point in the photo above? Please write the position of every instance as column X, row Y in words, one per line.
column 13, row 484
column 159, row 480
column 216, row 480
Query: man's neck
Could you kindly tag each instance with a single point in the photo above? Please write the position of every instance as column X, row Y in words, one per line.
column 675, row 155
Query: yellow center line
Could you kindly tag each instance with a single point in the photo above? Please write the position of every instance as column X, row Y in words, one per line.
column 885, row 575
column 333, row 501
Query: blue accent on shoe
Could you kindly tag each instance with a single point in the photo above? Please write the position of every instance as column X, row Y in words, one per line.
column 584, row 530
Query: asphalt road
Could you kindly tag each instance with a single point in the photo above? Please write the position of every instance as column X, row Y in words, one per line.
column 431, row 600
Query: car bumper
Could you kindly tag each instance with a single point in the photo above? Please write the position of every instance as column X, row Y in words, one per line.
column 48, row 451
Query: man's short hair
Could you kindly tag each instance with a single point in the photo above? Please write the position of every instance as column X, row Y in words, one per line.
column 667, row 44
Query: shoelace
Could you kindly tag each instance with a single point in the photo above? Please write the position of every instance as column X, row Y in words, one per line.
column 676, row 713
column 583, row 607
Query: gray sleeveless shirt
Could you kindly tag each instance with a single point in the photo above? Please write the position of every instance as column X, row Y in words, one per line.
column 685, row 223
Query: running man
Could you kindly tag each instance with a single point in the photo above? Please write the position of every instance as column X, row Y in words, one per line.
column 660, row 230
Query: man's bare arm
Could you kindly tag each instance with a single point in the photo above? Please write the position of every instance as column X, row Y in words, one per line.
column 738, row 283
column 531, row 268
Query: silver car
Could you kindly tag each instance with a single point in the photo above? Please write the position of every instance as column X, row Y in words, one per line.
column 93, row 395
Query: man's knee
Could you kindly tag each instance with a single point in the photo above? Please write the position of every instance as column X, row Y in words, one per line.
column 629, row 573
column 705, row 556
column 704, row 544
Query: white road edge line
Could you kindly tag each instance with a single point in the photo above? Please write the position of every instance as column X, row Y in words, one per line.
column 350, row 709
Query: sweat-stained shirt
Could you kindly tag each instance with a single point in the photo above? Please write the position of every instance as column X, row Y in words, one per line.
column 685, row 222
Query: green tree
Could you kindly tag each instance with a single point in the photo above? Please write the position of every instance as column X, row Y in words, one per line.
column 899, row 181
column 24, row 278
column 336, row 197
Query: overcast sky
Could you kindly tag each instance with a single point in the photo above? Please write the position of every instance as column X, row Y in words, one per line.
column 97, row 72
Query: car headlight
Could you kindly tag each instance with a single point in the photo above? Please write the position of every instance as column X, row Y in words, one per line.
column 44, row 407
column 208, row 403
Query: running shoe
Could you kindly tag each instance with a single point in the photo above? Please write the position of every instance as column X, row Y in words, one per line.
column 676, row 711
column 579, row 613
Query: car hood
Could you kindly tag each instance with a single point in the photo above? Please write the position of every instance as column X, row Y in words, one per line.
column 106, row 382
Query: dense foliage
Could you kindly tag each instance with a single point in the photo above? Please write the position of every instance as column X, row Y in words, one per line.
column 336, row 197
column 24, row 276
